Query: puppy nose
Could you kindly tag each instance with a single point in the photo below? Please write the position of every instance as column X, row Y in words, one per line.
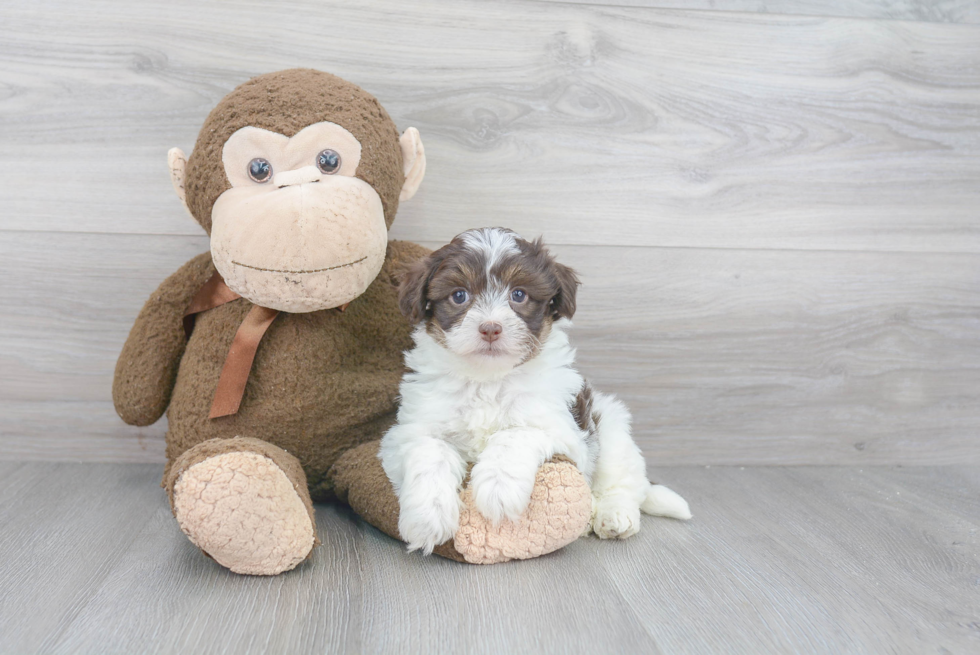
column 303, row 175
column 491, row 330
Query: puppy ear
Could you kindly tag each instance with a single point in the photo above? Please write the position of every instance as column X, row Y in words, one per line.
column 563, row 304
column 413, row 289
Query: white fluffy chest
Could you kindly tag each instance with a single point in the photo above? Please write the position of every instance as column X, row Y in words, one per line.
column 480, row 410
column 452, row 401
column 469, row 413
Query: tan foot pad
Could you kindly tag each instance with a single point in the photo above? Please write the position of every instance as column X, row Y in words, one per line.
column 560, row 509
column 242, row 510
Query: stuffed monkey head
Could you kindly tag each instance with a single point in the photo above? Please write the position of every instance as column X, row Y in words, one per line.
column 296, row 176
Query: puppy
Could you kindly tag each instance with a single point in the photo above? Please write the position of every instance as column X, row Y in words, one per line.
column 492, row 382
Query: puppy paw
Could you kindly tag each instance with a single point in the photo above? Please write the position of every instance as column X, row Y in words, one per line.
column 500, row 494
column 423, row 525
column 615, row 520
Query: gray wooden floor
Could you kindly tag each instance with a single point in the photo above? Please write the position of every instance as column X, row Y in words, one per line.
column 776, row 560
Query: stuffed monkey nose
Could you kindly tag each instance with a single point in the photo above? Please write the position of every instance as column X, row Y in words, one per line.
column 491, row 330
column 303, row 175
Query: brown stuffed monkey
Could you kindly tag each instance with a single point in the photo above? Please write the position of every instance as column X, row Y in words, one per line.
column 277, row 355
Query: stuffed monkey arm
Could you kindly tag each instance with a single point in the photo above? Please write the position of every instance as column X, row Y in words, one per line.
column 147, row 366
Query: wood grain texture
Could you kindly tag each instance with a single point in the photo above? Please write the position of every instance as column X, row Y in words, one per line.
column 724, row 356
column 776, row 560
column 775, row 216
column 75, row 431
column 937, row 11
column 606, row 125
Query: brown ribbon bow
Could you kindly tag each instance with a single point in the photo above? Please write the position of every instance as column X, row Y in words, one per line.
column 238, row 362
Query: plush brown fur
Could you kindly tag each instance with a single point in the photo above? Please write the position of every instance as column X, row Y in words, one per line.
column 321, row 382
column 286, row 102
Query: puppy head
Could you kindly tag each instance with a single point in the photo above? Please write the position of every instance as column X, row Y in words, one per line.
column 489, row 296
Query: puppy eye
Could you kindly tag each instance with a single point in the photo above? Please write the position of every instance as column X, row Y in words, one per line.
column 459, row 296
column 518, row 295
column 328, row 161
column 260, row 170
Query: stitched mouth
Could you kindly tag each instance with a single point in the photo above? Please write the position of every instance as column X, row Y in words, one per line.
column 312, row 270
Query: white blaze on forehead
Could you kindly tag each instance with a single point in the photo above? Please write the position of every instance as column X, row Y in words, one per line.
column 494, row 242
column 492, row 304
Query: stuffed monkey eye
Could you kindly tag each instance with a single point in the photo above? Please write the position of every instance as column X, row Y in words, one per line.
column 260, row 170
column 518, row 295
column 328, row 161
column 459, row 296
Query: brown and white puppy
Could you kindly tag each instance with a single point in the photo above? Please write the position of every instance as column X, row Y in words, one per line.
column 489, row 296
column 492, row 382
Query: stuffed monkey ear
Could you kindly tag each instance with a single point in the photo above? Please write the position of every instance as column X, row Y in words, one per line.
column 563, row 304
column 413, row 289
column 413, row 156
column 177, row 162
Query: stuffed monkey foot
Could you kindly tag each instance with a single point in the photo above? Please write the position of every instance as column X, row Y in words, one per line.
column 559, row 512
column 245, row 503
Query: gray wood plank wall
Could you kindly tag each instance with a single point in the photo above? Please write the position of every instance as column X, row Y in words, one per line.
column 940, row 11
column 776, row 217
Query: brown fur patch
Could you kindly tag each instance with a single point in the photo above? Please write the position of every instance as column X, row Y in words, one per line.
column 321, row 383
column 582, row 408
column 286, row 102
column 587, row 419
column 462, row 268
column 533, row 271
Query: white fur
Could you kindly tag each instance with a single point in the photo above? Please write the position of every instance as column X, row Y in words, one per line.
column 506, row 352
column 508, row 416
column 492, row 241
